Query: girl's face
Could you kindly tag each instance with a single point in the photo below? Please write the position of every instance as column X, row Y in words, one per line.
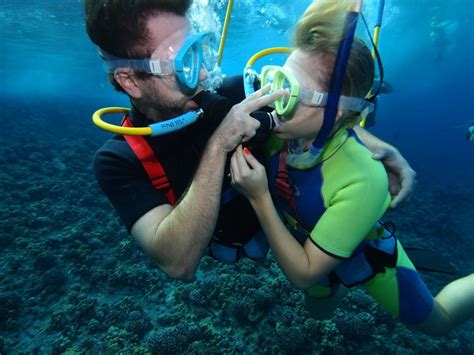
column 305, row 121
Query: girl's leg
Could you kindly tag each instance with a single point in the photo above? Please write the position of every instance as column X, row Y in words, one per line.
column 321, row 301
column 453, row 306
column 401, row 291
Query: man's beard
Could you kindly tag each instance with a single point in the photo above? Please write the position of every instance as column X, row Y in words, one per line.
column 164, row 108
column 168, row 110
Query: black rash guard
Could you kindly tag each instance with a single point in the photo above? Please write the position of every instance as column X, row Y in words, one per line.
column 124, row 181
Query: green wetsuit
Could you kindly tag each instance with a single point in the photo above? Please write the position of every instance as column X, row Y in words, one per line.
column 337, row 204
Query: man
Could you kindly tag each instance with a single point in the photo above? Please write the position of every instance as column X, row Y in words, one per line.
column 176, row 235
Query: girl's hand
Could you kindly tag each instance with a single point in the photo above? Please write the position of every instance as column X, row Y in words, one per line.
column 248, row 176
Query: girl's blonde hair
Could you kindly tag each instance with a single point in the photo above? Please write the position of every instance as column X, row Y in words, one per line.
column 319, row 32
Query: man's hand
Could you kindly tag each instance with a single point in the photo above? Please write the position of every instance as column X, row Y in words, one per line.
column 238, row 126
column 401, row 177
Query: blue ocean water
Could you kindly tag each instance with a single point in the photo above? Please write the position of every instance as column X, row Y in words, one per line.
column 69, row 267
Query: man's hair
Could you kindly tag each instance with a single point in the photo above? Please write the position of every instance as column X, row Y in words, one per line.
column 119, row 26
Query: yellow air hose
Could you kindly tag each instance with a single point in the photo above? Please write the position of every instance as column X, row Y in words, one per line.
column 129, row 131
column 264, row 52
column 224, row 31
column 376, row 35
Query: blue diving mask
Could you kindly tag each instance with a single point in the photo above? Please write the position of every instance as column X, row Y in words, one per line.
column 198, row 50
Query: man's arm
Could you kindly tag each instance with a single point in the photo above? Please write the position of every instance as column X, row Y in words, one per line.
column 176, row 237
column 401, row 177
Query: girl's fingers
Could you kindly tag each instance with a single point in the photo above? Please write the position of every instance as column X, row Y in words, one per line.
column 241, row 162
column 251, row 160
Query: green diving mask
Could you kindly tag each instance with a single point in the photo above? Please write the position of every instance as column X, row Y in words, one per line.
column 197, row 50
column 280, row 78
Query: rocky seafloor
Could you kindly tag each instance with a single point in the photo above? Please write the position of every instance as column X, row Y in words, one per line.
column 73, row 281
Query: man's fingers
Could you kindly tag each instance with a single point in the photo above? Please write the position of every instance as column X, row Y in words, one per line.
column 262, row 101
column 408, row 183
column 249, row 134
column 234, row 168
column 259, row 93
column 382, row 154
column 399, row 198
column 378, row 155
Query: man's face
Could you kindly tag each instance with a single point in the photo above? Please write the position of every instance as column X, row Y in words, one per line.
column 163, row 95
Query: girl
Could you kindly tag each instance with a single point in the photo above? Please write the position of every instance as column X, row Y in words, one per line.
column 327, row 187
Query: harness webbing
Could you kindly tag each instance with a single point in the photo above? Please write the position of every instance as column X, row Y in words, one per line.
column 150, row 162
column 286, row 189
column 282, row 182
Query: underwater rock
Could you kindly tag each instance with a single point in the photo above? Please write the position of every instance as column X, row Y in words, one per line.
column 10, row 303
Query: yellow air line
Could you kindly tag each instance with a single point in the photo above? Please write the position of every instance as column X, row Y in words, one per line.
column 129, row 131
column 376, row 36
column 262, row 53
column 376, row 40
column 224, row 31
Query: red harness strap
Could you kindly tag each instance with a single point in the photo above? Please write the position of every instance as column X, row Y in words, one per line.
column 286, row 188
column 150, row 163
column 282, row 182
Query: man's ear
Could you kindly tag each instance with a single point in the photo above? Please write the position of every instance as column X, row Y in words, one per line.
column 127, row 80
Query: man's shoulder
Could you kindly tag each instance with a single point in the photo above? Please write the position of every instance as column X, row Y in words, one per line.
column 114, row 155
column 115, row 148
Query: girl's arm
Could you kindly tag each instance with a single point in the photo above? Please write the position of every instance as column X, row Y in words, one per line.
column 303, row 265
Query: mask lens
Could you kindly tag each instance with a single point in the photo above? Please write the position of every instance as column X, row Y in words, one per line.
column 268, row 77
column 190, row 64
column 285, row 99
column 284, row 105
